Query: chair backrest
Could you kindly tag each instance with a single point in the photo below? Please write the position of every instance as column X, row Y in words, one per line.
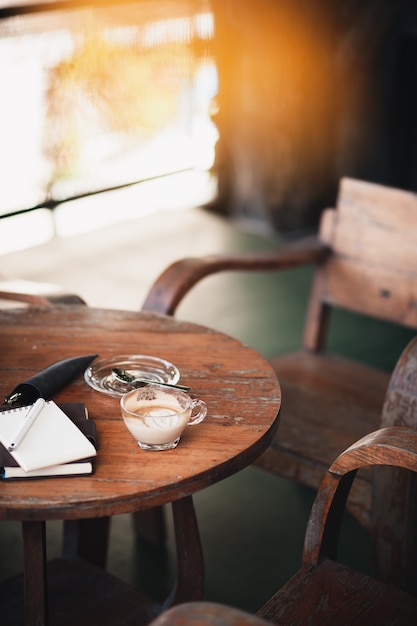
column 394, row 491
column 372, row 269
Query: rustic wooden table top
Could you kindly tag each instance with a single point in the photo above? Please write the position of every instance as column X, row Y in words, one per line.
column 238, row 385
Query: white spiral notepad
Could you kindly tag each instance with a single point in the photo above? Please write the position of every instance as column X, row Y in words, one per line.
column 52, row 439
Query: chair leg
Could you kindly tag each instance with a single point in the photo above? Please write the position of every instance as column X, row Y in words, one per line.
column 189, row 584
column 35, row 577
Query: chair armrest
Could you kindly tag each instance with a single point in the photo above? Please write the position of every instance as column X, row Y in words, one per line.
column 394, row 446
column 176, row 281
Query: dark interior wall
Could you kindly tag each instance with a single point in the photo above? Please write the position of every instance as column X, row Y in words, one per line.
column 310, row 91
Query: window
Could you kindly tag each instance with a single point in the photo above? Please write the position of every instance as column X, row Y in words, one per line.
column 100, row 97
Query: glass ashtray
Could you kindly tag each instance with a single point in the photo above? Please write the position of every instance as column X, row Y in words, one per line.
column 99, row 375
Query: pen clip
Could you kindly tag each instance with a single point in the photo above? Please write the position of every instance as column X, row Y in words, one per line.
column 13, row 397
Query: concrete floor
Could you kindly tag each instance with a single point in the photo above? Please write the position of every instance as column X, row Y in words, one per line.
column 252, row 524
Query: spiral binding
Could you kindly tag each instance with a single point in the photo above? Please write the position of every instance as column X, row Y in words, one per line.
column 26, row 407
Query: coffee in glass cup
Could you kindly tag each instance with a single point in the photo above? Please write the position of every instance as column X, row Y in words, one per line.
column 157, row 416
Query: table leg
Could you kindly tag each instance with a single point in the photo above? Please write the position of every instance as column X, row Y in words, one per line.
column 35, row 576
column 190, row 561
column 150, row 525
column 87, row 539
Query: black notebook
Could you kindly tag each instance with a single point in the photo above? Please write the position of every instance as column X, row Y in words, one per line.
column 77, row 412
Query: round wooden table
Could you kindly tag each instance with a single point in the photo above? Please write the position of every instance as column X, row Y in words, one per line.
column 239, row 387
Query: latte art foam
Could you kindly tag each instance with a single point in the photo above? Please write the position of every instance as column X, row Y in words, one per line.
column 168, row 418
column 157, row 424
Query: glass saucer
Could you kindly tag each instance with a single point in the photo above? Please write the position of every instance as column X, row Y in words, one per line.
column 100, row 377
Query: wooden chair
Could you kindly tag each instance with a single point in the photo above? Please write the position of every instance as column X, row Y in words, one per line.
column 325, row 591
column 365, row 257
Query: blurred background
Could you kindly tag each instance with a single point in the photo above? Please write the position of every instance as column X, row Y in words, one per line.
column 264, row 108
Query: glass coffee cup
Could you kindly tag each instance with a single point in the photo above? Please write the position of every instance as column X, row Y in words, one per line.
column 157, row 416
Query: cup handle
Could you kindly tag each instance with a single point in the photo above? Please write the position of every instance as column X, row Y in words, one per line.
column 198, row 417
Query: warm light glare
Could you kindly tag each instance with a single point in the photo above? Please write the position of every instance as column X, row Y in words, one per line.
column 279, row 74
column 91, row 102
